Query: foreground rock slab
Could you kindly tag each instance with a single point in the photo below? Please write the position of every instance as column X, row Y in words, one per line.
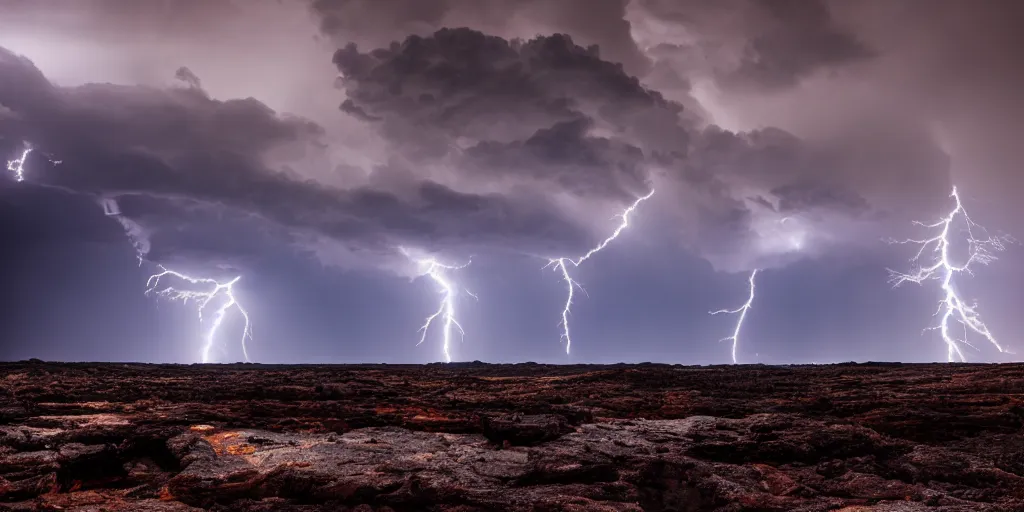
column 528, row 437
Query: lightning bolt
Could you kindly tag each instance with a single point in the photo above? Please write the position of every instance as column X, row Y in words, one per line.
column 134, row 232
column 18, row 166
column 203, row 299
column 742, row 310
column 109, row 205
column 952, row 307
column 562, row 265
column 446, row 310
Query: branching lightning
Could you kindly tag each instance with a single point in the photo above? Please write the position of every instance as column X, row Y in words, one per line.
column 446, row 310
column 562, row 265
column 981, row 251
column 225, row 290
column 134, row 232
column 18, row 166
column 742, row 310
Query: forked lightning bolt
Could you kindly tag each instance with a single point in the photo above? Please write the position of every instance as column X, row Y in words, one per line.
column 981, row 249
column 446, row 310
column 742, row 310
column 18, row 166
column 203, row 298
column 225, row 290
column 562, row 265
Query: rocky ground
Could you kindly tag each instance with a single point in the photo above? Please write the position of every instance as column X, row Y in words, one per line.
column 474, row 437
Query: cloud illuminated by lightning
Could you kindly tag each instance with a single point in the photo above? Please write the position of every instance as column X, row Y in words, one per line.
column 981, row 249
column 225, row 291
column 562, row 265
column 742, row 310
column 18, row 166
column 446, row 310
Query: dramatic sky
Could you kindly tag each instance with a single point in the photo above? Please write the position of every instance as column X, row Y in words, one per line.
column 313, row 146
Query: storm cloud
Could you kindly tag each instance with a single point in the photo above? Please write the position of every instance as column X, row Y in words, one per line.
column 744, row 44
column 542, row 118
column 202, row 162
column 493, row 112
column 593, row 23
column 268, row 136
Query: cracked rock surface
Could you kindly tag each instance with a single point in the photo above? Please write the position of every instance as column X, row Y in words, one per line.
column 528, row 437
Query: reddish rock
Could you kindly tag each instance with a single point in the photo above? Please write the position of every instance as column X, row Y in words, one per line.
column 474, row 437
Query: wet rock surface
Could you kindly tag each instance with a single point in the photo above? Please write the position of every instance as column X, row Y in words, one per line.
column 475, row 437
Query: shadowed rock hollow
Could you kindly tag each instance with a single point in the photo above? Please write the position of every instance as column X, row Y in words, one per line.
column 475, row 437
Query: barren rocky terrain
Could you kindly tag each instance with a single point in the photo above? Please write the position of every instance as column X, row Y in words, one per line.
column 475, row 437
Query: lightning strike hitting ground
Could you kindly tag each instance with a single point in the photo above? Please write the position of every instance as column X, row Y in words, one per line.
column 431, row 267
column 562, row 265
column 225, row 290
column 981, row 249
column 742, row 310
column 135, row 233
column 18, row 166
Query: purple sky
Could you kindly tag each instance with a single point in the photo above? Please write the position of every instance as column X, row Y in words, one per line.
column 302, row 144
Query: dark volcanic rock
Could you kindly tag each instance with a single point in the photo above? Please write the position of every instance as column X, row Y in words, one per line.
column 520, row 430
column 474, row 437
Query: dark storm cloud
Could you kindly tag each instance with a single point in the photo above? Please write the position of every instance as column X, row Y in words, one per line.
column 519, row 125
column 533, row 110
column 549, row 111
column 837, row 124
column 461, row 81
column 768, row 155
column 838, row 189
column 204, row 160
column 758, row 44
column 799, row 176
column 564, row 155
column 799, row 38
column 376, row 23
column 801, row 197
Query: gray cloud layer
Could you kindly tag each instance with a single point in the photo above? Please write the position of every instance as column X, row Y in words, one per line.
column 541, row 110
column 492, row 141
column 201, row 159
column 373, row 23
column 546, row 110
column 758, row 44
